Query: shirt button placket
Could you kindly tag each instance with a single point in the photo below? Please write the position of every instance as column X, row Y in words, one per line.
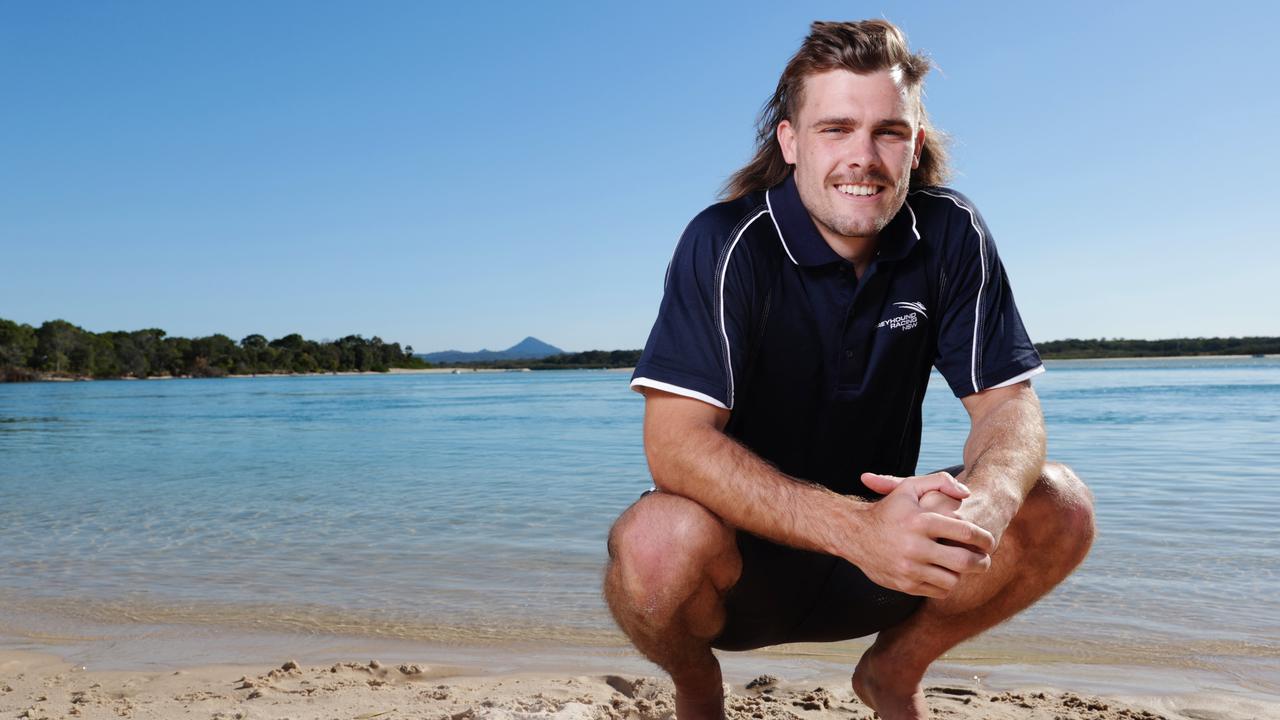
column 848, row 291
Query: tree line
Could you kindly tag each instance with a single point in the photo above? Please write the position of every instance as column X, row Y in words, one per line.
column 1174, row 347
column 59, row 349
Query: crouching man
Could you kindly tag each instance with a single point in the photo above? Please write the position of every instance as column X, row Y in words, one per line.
column 783, row 384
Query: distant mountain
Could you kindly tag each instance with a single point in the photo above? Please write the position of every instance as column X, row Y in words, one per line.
column 530, row 348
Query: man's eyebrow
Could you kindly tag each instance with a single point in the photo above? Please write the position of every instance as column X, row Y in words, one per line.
column 849, row 122
column 835, row 121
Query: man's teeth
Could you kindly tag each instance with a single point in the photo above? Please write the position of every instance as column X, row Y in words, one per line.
column 858, row 189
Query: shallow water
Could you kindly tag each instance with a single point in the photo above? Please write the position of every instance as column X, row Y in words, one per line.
column 469, row 509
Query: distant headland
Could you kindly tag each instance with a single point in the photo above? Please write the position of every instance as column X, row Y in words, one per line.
column 58, row 350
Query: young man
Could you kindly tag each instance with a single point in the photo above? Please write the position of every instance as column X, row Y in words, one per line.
column 784, row 379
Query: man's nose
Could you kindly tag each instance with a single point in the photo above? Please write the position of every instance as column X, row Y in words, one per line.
column 860, row 150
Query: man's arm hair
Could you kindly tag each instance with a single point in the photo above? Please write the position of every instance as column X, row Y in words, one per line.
column 1003, row 454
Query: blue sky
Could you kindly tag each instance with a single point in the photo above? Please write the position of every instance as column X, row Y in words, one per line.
column 460, row 177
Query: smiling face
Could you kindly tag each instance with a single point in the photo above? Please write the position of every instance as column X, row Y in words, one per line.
column 853, row 141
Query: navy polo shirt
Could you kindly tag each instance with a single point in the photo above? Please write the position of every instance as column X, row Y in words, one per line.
column 824, row 373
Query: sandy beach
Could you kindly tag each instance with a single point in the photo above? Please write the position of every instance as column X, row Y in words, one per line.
column 34, row 686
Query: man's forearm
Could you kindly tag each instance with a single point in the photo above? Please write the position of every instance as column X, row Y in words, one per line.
column 1003, row 455
column 710, row 468
column 897, row 542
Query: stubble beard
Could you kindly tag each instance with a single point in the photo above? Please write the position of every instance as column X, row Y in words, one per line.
column 863, row 227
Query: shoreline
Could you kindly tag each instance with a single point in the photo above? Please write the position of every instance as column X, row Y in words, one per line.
column 143, row 643
column 41, row 685
column 342, row 373
column 1161, row 357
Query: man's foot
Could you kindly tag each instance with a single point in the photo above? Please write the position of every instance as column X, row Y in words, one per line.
column 893, row 694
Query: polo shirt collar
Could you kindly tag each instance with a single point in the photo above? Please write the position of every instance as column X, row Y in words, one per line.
column 806, row 246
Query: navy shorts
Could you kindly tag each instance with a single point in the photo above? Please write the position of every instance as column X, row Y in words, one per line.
column 785, row 595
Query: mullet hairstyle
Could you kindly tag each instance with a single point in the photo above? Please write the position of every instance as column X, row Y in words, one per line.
column 861, row 47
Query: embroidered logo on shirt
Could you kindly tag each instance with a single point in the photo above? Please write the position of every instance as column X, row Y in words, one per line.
column 916, row 306
column 908, row 321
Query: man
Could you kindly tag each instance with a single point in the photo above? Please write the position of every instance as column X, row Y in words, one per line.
column 783, row 383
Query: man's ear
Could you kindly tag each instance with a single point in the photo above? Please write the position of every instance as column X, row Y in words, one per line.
column 787, row 141
column 919, row 148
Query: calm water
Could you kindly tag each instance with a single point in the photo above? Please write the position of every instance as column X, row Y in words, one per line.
column 472, row 508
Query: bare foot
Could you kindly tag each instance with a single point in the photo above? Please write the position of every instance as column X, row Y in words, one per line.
column 889, row 693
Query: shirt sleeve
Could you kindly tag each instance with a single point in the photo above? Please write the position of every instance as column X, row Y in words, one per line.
column 698, row 345
column 982, row 342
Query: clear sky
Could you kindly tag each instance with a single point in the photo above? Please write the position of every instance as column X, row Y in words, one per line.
column 452, row 175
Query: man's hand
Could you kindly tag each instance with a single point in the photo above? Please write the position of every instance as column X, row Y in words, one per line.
column 910, row 542
column 933, row 501
column 938, row 502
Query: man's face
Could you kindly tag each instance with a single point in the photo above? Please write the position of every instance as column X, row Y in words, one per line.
column 853, row 141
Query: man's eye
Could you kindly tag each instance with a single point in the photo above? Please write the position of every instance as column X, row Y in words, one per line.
column 892, row 133
column 834, row 130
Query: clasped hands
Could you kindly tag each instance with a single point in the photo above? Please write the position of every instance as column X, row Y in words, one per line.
column 916, row 542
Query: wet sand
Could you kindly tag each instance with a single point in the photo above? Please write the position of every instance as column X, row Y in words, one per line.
column 34, row 686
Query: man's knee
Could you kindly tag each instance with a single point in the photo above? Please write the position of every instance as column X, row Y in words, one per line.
column 664, row 548
column 1062, row 507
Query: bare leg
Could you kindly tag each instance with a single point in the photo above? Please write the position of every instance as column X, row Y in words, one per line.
column 1048, row 538
column 670, row 563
